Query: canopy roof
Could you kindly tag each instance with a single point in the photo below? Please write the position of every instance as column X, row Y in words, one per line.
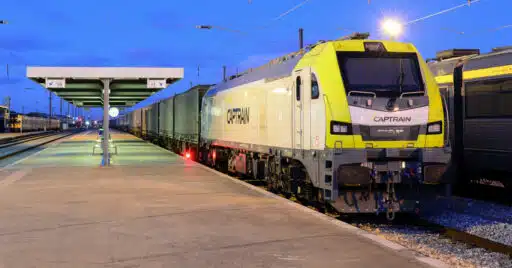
column 83, row 86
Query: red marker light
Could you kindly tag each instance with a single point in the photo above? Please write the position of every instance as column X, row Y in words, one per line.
column 187, row 155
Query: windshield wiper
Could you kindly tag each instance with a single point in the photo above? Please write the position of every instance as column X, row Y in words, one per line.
column 401, row 77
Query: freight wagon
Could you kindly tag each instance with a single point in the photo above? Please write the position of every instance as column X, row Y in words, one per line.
column 173, row 122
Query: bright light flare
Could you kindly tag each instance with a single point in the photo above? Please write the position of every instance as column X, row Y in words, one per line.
column 392, row 27
column 187, row 155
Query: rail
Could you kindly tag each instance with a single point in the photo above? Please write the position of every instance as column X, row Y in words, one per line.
column 467, row 238
column 48, row 138
column 25, row 138
column 7, row 139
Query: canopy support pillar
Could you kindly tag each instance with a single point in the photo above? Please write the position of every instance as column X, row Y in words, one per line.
column 106, row 130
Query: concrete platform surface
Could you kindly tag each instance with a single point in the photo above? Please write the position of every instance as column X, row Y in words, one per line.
column 58, row 212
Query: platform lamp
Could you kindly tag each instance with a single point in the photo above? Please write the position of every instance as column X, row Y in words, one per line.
column 392, row 28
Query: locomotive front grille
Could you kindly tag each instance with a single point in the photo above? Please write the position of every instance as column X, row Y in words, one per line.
column 384, row 154
column 389, row 133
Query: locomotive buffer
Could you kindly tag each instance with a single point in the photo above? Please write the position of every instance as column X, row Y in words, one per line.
column 105, row 87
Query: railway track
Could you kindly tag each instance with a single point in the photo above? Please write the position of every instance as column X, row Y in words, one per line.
column 8, row 142
column 407, row 220
column 21, row 144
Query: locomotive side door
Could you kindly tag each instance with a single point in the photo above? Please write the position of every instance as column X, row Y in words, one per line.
column 301, row 103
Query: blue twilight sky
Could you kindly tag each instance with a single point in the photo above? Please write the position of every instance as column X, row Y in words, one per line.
column 162, row 33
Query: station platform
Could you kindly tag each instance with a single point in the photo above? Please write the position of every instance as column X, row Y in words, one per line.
column 153, row 208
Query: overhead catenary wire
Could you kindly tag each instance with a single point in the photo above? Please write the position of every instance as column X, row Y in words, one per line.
column 500, row 28
column 489, row 30
column 442, row 12
column 280, row 16
column 290, row 10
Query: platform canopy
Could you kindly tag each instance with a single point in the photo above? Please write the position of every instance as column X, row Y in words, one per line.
column 83, row 86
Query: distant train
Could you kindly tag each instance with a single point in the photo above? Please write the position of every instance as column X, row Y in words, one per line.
column 4, row 118
column 478, row 91
column 354, row 123
column 31, row 122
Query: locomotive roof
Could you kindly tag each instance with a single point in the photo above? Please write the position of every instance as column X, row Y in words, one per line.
column 282, row 68
column 277, row 68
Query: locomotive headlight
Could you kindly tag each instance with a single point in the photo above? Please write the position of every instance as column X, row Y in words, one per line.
column 339, row 128
column 434, row 128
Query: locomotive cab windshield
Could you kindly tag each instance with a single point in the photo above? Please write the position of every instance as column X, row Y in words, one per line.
column 381, row 74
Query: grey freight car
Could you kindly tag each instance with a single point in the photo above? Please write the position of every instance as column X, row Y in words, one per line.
column 174, row 122
column 187, row 107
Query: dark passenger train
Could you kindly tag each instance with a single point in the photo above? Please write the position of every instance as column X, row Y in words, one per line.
column 478, row 92
column 4, row 118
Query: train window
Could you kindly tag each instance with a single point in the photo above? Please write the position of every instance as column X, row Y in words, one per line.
column 298, row 85
column 488, row 99
column 315, row 91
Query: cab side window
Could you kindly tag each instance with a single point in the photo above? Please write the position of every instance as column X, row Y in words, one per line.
column 298, row 87
column 315, row 90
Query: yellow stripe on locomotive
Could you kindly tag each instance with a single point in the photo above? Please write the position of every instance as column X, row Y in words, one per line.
column 426, row 121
